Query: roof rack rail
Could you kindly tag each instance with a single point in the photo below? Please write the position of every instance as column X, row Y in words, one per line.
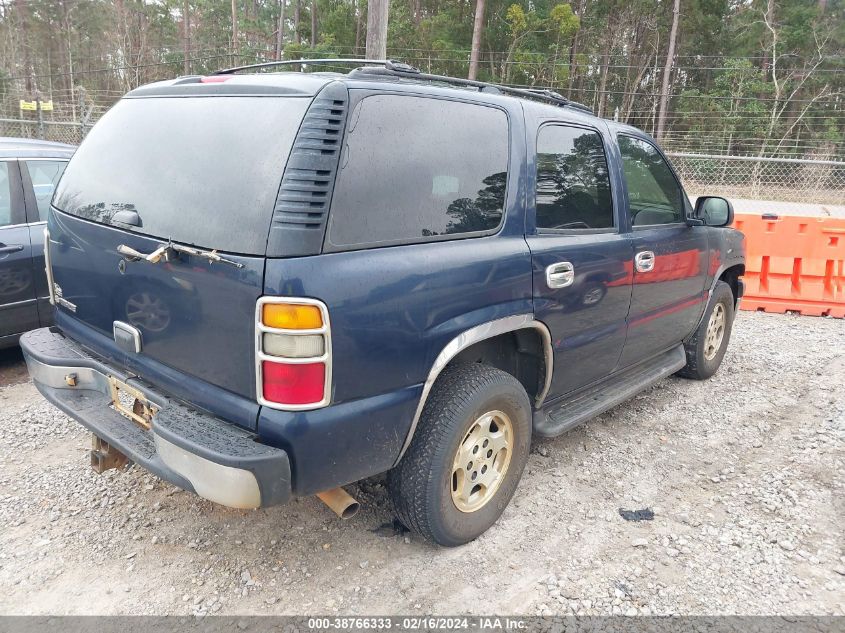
column 387, row 63
column 546, row 96
column 394, row 68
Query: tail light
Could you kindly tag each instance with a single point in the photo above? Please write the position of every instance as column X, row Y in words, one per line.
column 293, row 353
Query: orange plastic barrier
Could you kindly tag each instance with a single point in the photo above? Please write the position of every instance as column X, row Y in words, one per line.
column 794, row 264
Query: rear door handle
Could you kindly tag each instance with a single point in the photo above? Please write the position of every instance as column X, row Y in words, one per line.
column 644, row 261
column 12, row 248
column 560, row 275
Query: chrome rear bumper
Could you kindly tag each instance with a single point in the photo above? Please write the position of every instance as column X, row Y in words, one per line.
column 189, row 448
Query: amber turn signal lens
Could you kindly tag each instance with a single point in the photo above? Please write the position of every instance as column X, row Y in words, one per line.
column 291, row 316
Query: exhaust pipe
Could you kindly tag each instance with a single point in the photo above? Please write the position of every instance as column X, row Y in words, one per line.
column 341, row 502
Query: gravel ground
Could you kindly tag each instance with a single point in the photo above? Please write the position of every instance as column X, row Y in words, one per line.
column 744, row 474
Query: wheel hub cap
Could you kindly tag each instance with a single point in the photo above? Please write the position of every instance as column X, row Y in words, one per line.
column 481, row 461
column 715, row 332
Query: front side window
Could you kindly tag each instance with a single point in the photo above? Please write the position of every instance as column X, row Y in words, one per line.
column 5, row 195
column 654, row 196
column 573, row 183
column 416, row 168
column 44, row 175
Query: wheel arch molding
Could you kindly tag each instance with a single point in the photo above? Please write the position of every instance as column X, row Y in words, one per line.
column 477, row 334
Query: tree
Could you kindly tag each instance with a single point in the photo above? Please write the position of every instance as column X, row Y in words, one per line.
column 234, row 32
column 759, row 75
column 280, row 30
column 186, row 35
column 667, row 70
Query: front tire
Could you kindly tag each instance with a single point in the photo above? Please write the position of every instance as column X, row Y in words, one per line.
column 466, row 457
column 707, row 347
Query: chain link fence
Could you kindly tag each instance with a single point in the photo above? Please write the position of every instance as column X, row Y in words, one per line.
column 786, row 179
column 60, row 131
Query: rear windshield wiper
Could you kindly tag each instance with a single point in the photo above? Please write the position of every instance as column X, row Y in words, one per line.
column 163, row 252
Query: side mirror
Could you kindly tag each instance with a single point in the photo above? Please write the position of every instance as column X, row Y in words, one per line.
column 714, row 211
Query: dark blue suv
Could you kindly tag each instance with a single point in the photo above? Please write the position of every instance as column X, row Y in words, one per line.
column 274, row 284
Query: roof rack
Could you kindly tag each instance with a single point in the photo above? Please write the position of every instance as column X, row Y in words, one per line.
column 387, row 63
column 546, row 96
column 394, row 68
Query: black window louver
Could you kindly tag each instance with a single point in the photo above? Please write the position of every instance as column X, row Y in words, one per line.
column 302, row 206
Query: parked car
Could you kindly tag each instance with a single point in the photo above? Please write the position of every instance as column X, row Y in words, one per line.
column 379, row 271
column 29, row 171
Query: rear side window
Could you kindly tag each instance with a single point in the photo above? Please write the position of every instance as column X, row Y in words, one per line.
column 654, row 196
column 44, row 175
column 573, row 183
column 203, row 171
column 416, row 168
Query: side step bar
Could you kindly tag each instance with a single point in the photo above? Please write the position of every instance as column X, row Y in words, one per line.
column 584, row 406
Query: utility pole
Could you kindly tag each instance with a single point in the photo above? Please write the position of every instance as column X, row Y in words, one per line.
column 475, row 51
column 377, row 29
column 667, row 71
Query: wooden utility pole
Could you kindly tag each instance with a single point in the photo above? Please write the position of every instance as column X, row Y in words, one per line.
column 377, row 29
column 475, row 51
column 186, row 35
column 667, row 71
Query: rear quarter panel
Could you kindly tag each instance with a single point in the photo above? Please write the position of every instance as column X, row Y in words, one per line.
column 392, row 311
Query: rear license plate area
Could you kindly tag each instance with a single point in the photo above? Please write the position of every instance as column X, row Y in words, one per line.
column 131, row 403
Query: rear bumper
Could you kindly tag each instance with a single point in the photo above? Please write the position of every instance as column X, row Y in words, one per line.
column 191, row 449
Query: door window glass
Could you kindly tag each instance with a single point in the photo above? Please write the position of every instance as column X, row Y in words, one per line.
column 416, row 168
column 573, row 184
column 654, row 196
column 5, row 195
column 44, row 175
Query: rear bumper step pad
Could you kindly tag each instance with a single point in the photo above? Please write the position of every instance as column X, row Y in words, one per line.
column 191, row 449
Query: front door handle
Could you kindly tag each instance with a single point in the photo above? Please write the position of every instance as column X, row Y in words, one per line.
column 12, row 248
column 560, row 275
column 644, row 261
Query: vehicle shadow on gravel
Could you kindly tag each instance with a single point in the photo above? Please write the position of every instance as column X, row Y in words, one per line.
column 731, row 468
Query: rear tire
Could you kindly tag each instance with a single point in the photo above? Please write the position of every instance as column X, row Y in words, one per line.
column 466, row 457
column 706, row 348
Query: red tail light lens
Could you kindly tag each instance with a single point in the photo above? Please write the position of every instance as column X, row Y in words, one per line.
column 295, row 383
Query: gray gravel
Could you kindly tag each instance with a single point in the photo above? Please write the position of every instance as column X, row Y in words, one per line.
column 744, row 474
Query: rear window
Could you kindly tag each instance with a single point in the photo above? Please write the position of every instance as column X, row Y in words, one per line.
column 203, row 171
column 417, row 169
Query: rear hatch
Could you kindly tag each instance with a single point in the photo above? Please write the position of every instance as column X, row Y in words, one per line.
column 195, row 171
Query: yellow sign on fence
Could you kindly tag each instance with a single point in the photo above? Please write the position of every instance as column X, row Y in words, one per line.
column 46, row 106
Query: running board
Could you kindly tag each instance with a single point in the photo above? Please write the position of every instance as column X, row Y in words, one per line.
column 584, row 406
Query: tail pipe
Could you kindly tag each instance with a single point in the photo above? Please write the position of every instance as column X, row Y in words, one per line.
column 341, row 502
